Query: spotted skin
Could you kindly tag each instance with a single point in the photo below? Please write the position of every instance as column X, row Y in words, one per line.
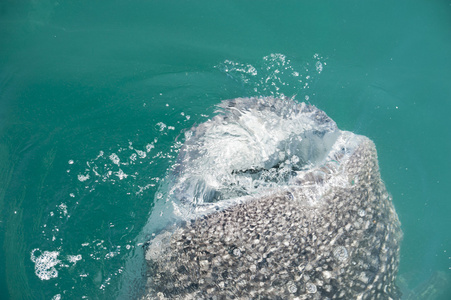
column 281, row 246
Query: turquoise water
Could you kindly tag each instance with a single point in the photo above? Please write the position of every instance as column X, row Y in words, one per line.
column 95, row 96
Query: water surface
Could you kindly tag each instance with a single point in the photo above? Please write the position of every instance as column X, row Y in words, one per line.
column 95, row 96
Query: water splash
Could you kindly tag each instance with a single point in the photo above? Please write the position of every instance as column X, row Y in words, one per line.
column 253, row 145
column 47, row 263
column 276, row 74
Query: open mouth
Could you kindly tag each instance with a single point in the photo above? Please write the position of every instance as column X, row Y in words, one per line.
column 254, row 144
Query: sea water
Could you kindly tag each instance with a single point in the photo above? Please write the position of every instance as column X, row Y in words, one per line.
column 95, row 98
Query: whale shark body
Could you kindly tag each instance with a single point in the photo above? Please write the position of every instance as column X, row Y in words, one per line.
column 275, row 202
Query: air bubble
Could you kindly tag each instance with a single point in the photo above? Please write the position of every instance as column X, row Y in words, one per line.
column 115, row 159
column 361, row 212
column 74, row 258
column 319, row 66
column 82, row 177
column 45, row 264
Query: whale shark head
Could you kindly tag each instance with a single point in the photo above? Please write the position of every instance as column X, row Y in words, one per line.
column 279, row 204
column 254, row 145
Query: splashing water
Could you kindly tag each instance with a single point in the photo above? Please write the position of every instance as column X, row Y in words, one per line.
column 277, row 75
column 124, row 167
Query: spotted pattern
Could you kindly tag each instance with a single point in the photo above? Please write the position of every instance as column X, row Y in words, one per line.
column 278, row 247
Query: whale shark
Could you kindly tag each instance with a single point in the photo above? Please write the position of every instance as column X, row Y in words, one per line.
column 273, row 201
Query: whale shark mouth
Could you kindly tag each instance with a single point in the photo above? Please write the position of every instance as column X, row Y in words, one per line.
column 275, row 202
column 251, row 146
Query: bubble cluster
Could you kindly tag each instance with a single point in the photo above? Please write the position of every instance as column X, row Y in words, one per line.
column 45, row 263
column 74, row 258
column 276, row 74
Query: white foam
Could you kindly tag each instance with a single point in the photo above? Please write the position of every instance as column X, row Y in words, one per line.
column 44, row 264
column 141, row 154
column 82, row 177
column 121, row 174
column 63, row 208
column 74, row 258
column 161, row 126
column 319, row 66
column 115, row 159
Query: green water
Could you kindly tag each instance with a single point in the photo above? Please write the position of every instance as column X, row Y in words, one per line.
column 84, row 82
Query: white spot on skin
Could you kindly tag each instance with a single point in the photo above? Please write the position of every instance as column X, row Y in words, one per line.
column 341, row 253
column 292, row 287
column 311, row 288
